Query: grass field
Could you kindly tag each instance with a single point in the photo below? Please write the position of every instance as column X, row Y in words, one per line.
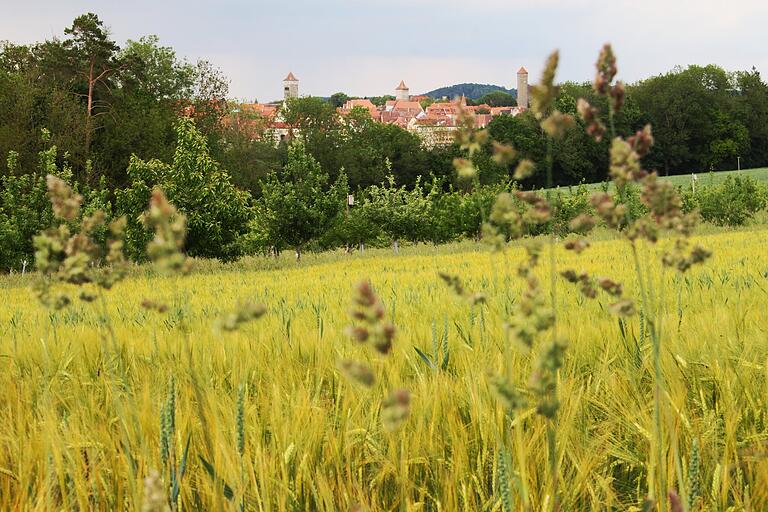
column 703, row 178
column 82, row 391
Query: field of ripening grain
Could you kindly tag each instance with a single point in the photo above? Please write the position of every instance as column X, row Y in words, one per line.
column 96, row 397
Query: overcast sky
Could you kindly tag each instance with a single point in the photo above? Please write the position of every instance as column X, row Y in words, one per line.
column 365, row 47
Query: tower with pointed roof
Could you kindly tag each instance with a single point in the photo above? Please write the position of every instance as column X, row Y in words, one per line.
column 290, row 86
column 401, row 93
column 522, row 88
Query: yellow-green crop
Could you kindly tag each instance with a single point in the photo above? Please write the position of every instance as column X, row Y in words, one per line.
column 272, row 424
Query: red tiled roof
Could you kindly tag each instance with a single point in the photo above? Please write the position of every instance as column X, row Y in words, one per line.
column 364, row 103
column 522, row 71
column 290, row 78
column 402, row 86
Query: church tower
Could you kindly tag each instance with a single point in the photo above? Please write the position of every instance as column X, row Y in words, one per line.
column 522, row 88
column 290, row 86
column 401, row 93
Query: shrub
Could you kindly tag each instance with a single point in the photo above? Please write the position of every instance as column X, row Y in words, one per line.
column 218, row 214
column 733, row 202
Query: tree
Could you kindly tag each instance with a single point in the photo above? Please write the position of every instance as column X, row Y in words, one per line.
column 218, row 214
column 297, row 205
column 497, row 99
column 401, row 214
column 338, row 99
column 93, row 55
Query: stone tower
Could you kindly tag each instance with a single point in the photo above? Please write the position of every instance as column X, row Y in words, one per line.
column 401, row 93
column 522, row 88
column 290, row 86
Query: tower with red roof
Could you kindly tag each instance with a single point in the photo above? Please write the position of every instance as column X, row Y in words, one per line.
column 290, row 86
column 401, row 93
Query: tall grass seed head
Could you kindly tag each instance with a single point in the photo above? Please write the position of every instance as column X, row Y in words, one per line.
column 65, row 203
column 591, row 116
column 170, row 231
column 369, row 311
column 642, row 141
column 503, row 154
column 155, row 499
column 525, row 169
column 606, row 70
column 395, row 409
column 543, row 95
column 557, row 124
column 358, row 372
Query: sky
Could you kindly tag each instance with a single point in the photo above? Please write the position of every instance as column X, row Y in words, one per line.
column 365, row 47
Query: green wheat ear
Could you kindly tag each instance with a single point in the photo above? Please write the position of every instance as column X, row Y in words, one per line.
column 240, row 421
column 694, row 475
column 504, row 488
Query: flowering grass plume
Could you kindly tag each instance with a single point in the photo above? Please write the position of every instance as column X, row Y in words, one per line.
column 170, row 227
column 370, row 323
column 243, row 313
column 69, row 258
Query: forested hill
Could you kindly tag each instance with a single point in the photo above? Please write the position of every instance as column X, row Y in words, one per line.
column 471, row 91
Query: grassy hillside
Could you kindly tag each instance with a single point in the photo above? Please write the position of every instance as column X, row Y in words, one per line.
column 703, row 179
column 471, row 91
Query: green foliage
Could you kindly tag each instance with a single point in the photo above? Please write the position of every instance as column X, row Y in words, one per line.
column 497, row 99
column 217, row 212
column 733, row 202
column 297, row 205
column 468, row 90
column 400, row 213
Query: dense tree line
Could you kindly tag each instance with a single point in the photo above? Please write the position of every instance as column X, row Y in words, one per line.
column 117, row 121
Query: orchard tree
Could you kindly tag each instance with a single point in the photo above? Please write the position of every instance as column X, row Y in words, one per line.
column 297, row 204
column 401, row 214
column 218, row 214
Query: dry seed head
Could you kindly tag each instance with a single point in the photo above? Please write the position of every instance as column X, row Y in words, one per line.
column 170, row 230
column 243, row 313
column 612, row 214
column 618, row 95
column 464, row 168
column 395, row 409
column 357, row 372
column 582, row 224
column 506, row 393
column 661, row 199
column 368, row 309
column 675, row 503
column 543, row 94
column 625, row 163
column 606, row 69
column 65, row 203
column 155, row 499
column 525, row 168
column 154, row 306
column 609, row 286
column 503, row 154
column 557, row 124
column 624, row 307
column 642, row 141
column 577, row 245
column 591, row 117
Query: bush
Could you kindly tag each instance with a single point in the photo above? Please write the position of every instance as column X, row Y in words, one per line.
column 218, row 214
column 733, row 202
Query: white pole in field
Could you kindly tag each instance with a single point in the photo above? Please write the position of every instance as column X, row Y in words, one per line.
column 738, row 163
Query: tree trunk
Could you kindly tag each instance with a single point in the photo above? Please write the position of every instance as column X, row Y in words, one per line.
column 396, row 247
column 362, row 247
column 89, row 111
column 298, row 254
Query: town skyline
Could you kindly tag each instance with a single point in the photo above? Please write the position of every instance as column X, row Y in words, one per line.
column 341, row 46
